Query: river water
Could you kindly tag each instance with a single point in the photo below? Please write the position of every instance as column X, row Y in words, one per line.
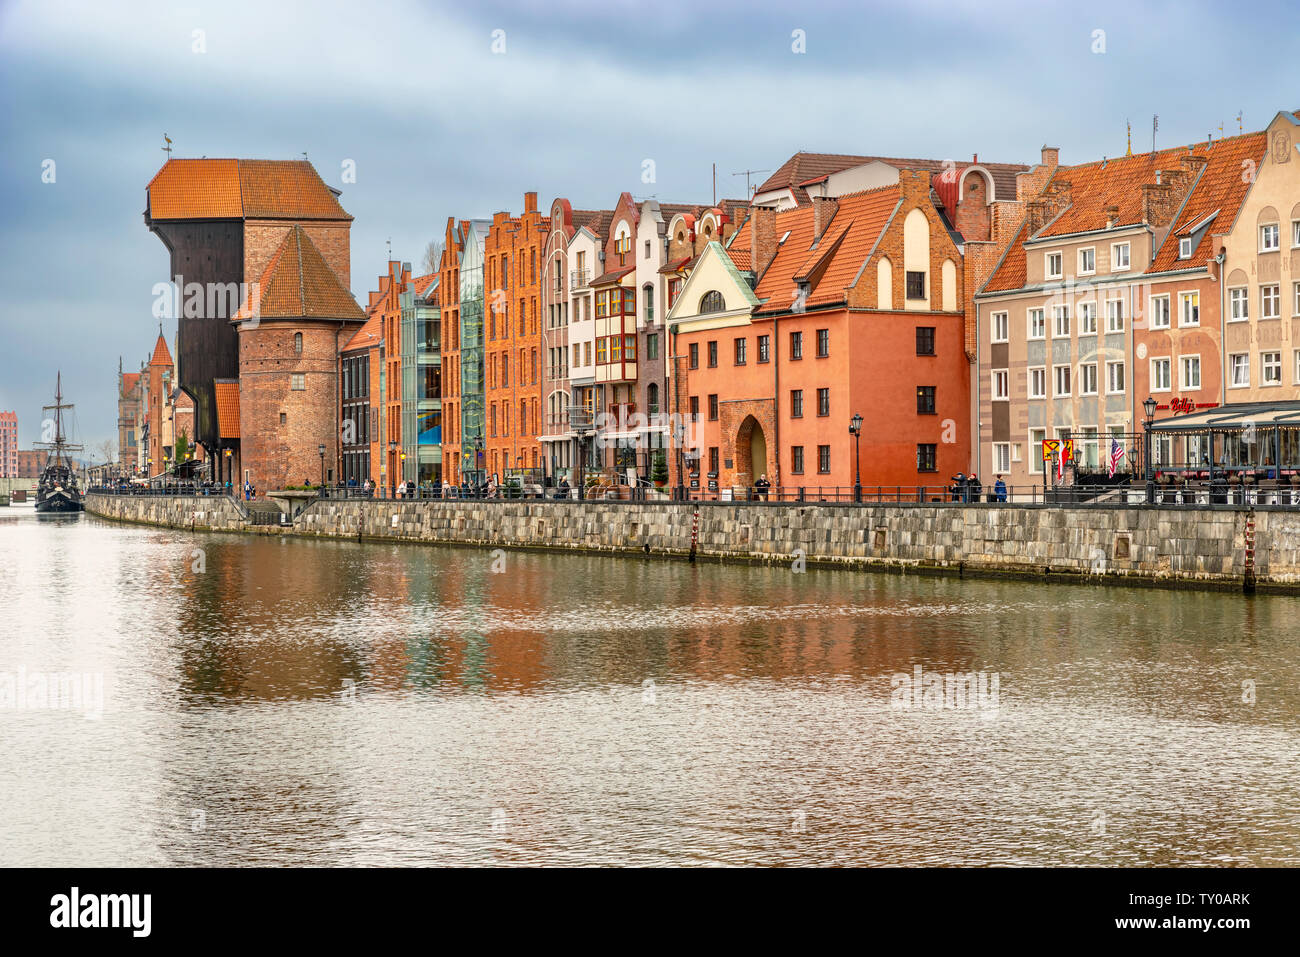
column 267, row 701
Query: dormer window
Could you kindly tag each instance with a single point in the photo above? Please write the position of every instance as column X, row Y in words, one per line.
column 1185, row 248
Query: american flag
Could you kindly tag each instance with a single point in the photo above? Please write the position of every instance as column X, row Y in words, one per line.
column 1116, row 453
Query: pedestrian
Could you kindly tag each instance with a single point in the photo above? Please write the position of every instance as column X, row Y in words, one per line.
column 762, row 486
column 959, row 487
column 1000, row 490
column 975, row 488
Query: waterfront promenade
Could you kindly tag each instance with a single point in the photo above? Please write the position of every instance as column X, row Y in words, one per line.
column 1200, row 546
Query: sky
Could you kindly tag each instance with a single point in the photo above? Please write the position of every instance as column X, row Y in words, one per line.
column 458, row 109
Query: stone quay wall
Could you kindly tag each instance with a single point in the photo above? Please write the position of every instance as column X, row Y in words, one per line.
column 1199, row 547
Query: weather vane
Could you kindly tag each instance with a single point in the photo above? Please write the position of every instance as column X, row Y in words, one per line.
column 168, row 148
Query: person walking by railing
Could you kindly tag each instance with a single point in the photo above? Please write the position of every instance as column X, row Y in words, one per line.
column 999, row 490
column 975, row 487
column 958, row 489
column 762, row 486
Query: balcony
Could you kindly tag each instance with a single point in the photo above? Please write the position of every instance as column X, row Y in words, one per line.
column 579, row 278
column 580, row 418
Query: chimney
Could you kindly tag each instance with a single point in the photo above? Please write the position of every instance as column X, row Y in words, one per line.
column 1051, row 156
column 1157, row 205
column 914, row 186
column 1112, row 216
column 530, row 202
column 763, row 225
column 824, row 208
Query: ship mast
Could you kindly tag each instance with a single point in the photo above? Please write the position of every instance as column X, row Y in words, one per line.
column 58, row 447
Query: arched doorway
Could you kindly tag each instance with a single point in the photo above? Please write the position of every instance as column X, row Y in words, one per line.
column 751, row 452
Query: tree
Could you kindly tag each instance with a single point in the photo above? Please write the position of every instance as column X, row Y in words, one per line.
column 659, row 468
column 432, row 257
column 182, row 447
column 107, row 450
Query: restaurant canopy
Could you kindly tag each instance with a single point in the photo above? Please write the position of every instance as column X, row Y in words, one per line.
column 1233, row 418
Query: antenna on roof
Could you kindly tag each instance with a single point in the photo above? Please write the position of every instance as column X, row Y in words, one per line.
column 1128, row 151
column 390, row 250
column 1155, row 125
column 1240, row 128
column 168, row 148
column 749, row 190
column 304, row 156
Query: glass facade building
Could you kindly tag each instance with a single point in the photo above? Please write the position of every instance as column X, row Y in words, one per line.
column 421, row 387
column 471, row 347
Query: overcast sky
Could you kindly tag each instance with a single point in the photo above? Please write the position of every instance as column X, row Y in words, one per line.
column 439, row 124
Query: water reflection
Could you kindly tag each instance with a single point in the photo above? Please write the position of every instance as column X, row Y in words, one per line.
column 278, row 701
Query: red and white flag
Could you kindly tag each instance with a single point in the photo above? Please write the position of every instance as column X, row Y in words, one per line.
column 1116, row 453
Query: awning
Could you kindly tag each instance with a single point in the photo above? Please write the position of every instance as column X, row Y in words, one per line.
column 227, row 393
column 1232, row 418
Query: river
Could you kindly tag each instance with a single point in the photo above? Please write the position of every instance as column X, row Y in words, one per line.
column 279, row 701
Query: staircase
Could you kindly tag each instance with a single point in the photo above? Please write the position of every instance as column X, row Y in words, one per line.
column 263, row 513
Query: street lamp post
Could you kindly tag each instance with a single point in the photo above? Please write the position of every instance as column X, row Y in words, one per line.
column 1149, row 406
column 321, row 449
column 392, row 470
column 679, row 436
column 855, row 430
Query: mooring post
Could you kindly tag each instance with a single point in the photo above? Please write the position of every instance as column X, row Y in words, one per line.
column 1248, row 570
column 695, row 532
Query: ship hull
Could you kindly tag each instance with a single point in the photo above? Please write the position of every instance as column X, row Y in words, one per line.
column 59, row 502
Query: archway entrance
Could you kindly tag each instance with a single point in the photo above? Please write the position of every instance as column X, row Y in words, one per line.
column 751, row 452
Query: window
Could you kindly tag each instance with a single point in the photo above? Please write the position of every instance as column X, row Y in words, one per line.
column 695, row 408
column 796, row 403
column 823, row 459
column 674, row 290
column 652, row 346
column 652, row 398
column 1115, row 315
column 1239, row 366
column 823, row 402
column 925, row 335
column 1001, row 457
column 1062, row 374
column 1159, row 312
column 1052, row 265
column 1087, row 318
column 713, row 459
column 1087, row 261
column 297, row 343
column 915, row 285
column 925, row 400
column 298, row 382
column 1000, row 390
column 1114, row 377
column 796, row 459
column 284, row 418
column 764, row 348
column 1088, row 378
column 1060, row 321
column 796, row 345
column 1295, row 309
column 1118, row 257
column 1160, row 375
column 713, row 353
column 1191, row 371
column 1036, row 439
column 1237, row 304
column 823, row 343
column 1185, row 248
column 648, row 294
column 601, row 350
column 1269, row 239
column 1038, row 383
column 1295, row 234
column 1296, row 357
column 694, row 361
column 629, row 348
column 926, row 457
column 999, row 326
column 1270, row 301
column 740, row 346
column 647, row 249
column 1270, row 368
column 1037, row 324
column 713, row 407
column 712, row 301
column 1189, row 309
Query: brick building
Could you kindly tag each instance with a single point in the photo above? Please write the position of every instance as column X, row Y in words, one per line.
column 513, row 250
column 359, row 366
column 130, row 407
column 851, row 304
column 8, row 445
column 290, row 338
column 158, row 408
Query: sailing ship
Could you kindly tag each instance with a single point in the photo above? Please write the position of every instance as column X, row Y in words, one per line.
column 57, row 491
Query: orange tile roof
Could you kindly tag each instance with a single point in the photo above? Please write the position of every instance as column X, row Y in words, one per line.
column 1220, row 190
column 298, row 284
column 804, row 168
column 834, row 263
column 367, row 336
column 227, row 408
column 421, row 284
column 161, row 355
column 741, row 258
column 237, row 189
column 1118, row 182
column 129, row 381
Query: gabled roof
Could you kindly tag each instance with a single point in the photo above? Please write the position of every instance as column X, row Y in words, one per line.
column 227, row 394
column 129, row 381
column 421, row 284
column 690, row 291
column 241, row 189
column 161, row 354
column 831, row 265
column 369, row 335
column 298, row 284
column 596, row 220
column 803, row 169
column 612, row 276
